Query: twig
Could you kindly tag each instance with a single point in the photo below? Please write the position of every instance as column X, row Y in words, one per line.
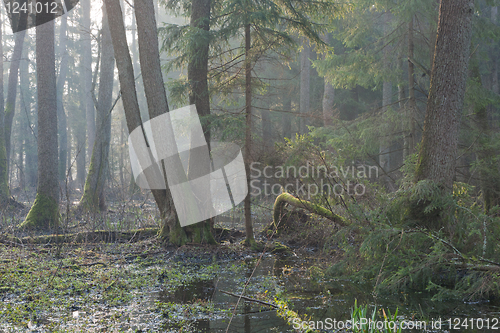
column 249, row 299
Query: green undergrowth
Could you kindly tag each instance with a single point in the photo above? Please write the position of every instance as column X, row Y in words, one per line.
column 459, row 261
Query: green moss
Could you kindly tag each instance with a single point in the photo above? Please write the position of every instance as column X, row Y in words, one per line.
column 4, row 180
column 284, row 198
column 43, row 214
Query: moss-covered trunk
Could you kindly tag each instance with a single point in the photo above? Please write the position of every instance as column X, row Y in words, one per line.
column 44, row 212
column 286, row 198
column 93, row 195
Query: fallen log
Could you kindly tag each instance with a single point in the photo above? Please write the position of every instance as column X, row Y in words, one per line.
column 287, row 198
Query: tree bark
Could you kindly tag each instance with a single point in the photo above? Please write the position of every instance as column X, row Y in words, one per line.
column 199, row 96
column 412, row 103
column 93, row 195
column 305, row 78
column 87, row 79
column 45, row 210
column 61, row 114
column 384, row 148
column 436, row 161
column 286, row 116
column 4, row 178
column 249, row 240
column 10, row 104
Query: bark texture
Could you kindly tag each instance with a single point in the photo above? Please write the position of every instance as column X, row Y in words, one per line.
column 4, row 179
column 305, row 79
column 93, row 195
column 250, row 240
column 44, row 212
column 61, row 114
column 446, row 95
column 10, row 104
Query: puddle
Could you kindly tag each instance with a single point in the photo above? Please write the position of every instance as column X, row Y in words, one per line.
column 310, row 296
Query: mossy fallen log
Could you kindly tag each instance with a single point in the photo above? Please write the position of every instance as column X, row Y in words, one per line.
column 83, row 237
column 287, row 198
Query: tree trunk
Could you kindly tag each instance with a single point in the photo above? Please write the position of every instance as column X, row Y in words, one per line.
column 61, row 114
column 438, row 150
column 385, row 142
column 4, row 178
column 412, row 103
column 249, row 240
column 45, row 210
column 87, row 78
column 199, row 96
column 328, row 103
column 286, row 116
column 10, row 104
column 486, row 155
column 93, row 195
column 402, row 109
column 305, row 78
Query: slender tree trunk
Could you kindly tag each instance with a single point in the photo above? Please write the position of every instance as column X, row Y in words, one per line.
column 250, row 240
column 87, row 78
column 385, row 142
column 44, row 212
column 4, row 179
column 61, row 114
column 286, row 116
column 328, row 103
column 412, row 103
column 487, row 164
column 437, row 156
column 10, row 104
column 93, row 195
column 402, row 108
column 305, row 85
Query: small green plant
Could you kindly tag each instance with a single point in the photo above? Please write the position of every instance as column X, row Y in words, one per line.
column 362, row 324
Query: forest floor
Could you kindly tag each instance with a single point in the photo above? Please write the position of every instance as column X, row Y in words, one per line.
column 141, row 284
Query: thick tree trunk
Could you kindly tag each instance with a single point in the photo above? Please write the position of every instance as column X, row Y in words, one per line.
column 199, row 96
column 438, row 150
column 155, row 96
column 93, row 195
column 249, row 240
column 45, row 210
column 305, row 85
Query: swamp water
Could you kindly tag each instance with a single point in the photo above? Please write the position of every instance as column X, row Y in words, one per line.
column 303, row 287
column 183, row 293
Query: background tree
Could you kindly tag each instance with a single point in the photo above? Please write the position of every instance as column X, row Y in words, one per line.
column 93, row 196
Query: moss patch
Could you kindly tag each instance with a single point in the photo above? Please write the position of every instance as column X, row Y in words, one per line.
column 43, row 214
